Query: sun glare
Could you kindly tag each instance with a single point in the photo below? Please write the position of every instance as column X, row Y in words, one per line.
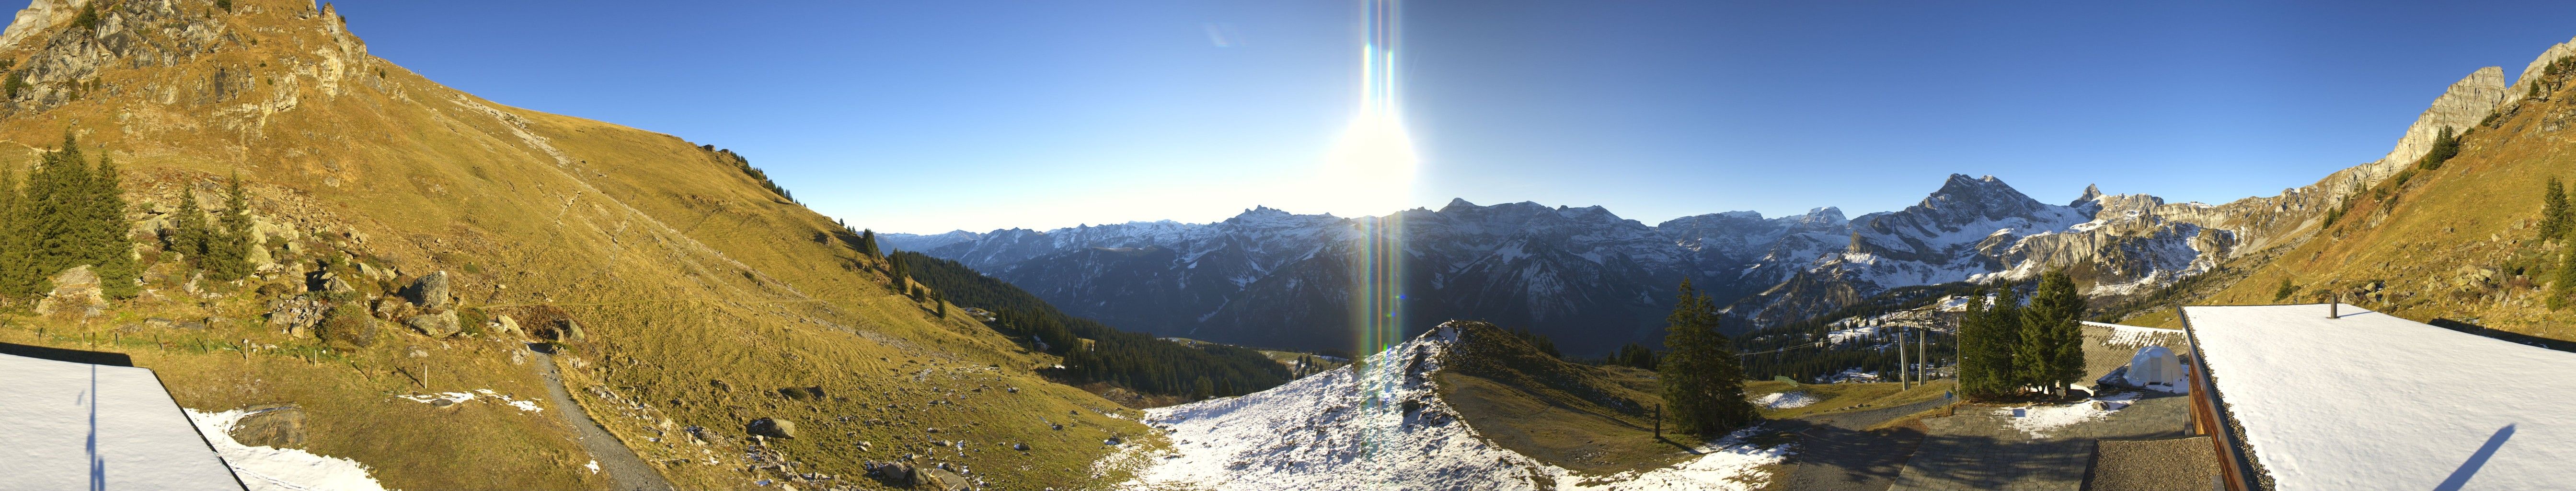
column 1373, row 165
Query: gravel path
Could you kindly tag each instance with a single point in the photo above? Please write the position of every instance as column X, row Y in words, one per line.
column 1836, row 454
column 2178, row 464
column 625, row 471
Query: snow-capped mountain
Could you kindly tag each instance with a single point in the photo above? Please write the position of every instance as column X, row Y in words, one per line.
column 1585, row 276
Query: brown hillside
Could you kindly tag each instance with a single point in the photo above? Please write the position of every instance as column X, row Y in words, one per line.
column 700, row 292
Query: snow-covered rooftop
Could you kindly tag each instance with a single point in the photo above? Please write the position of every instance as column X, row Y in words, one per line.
column 2372, row 401
column 83, row 426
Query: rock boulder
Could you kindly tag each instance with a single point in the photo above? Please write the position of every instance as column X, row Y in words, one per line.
column 439, row 325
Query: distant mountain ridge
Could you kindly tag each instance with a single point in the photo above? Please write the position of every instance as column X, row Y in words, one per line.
column 1594, row 280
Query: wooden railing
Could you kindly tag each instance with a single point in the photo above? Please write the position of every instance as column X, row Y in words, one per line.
column 2234, row 469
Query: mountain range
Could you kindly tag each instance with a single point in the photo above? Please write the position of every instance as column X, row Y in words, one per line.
column 1595, row 280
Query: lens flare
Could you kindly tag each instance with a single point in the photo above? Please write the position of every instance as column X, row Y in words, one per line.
column 1373, row 165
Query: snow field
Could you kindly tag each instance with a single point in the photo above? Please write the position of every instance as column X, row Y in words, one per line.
column 2038, row 421
column 462, row 397
column 1786, row 400
column 1380, row 425
column 279, row 469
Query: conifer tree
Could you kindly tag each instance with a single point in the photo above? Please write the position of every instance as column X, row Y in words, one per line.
column 2052, row 344
column 2553, row 211
column 114, row 250
column 868, row 244
column 1703, row 382
column 2445, row 146
column 1985, row 347
column 57, row 196
column 190, row 233
column 228, row 247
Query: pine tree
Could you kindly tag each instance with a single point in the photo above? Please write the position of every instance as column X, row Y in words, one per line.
column 2445, row 146
column 114, row 251
column 2553, row 211
column 868, row 244
column 1985, row 347
column 190, row 233
column 57, row 193
column 1703, row 381
column 2053, row 341
column 228, row 248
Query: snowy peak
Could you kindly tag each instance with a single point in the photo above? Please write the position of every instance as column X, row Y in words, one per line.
column 2092, row 192
column 1964, row 198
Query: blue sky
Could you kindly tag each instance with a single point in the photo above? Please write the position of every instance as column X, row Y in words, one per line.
column 930, row 116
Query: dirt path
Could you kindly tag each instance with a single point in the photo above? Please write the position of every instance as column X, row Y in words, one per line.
column 625, row 471
column 1837, row 453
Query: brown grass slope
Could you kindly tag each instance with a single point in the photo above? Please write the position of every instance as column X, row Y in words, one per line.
column 701, row 292
column 1596, row 420
column 2459, row 243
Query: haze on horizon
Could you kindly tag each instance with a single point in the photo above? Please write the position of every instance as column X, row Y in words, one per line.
column 925, row 118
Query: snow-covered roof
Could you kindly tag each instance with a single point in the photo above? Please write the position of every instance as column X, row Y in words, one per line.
column 2372, row 401
column 84, row 426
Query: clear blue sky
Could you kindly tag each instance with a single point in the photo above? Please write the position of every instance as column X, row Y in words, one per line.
column 930, row 116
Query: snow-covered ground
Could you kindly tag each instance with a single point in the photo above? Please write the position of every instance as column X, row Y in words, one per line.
column 1385, row 428
column 1786, row 400
column 1848, row 375
column 82, row 426
column 2371, row 401
column 2038, row 421
column 2127, row 336
column 279, row 469
column 462, row 397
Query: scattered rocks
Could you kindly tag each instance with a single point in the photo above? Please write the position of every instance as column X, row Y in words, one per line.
column 295, row 316
column 439, row 325
column 772, row 428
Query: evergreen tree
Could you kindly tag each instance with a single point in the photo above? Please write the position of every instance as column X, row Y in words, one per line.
column 57, row 196
column 2553, row 211
column 114, row 251
column 2051, row 354
column 189, row 234
column 1985, row 359
column 2445, row 146
column 228, row 247
column 1703, row 382
column 868, row 244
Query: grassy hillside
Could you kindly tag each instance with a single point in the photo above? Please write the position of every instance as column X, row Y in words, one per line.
column 702, row 293
column 2458, row 243
column 1590, row 419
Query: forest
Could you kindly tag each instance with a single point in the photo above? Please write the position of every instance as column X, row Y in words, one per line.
column 1136, row 361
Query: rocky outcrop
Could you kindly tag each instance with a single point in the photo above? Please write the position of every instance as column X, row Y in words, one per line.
column 439, row 325
column 297, row 316
column 2459, row 108
column 771, row 427
column 432, row 291
column 75, row 290
column 271, row 425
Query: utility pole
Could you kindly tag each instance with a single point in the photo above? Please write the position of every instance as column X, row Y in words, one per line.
column 1659, row 421
column 1902, row 382
column 1923, row 355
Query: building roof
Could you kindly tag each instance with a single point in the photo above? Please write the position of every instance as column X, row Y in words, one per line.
column 84, row 426
column 2372, row 401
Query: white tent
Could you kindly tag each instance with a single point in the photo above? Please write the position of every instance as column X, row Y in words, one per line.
column 2154, row 365
column 84, row 426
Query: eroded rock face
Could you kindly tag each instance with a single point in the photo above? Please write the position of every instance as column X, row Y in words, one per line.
column 75, row 290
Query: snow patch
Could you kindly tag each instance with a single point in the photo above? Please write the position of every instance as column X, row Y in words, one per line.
column 1379, row 423
column 279, row 469
column 1786, row 400
column 2038, row 421
column 453, row 398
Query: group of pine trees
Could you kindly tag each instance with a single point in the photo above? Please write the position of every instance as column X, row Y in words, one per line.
column 2005, row 346
column 64, row 215
column 67, row 213
column 1136, row 361
column 2557, row 221
column 1703, row 381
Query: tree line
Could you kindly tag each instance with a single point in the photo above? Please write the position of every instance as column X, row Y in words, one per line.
column 68, row 212
column 2007, row 348
column 1136, row 361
